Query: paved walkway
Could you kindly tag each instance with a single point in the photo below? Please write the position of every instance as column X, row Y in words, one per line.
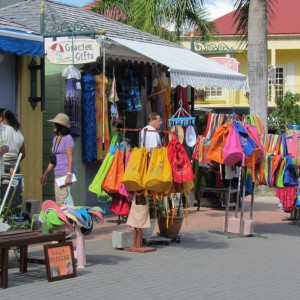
column 203, row 266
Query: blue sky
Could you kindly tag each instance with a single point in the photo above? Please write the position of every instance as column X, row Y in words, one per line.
column 216, row 8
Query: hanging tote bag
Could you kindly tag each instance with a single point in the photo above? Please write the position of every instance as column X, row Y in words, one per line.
column 290, row 169
column 247, row 142
column 112, row 181
column 254, row 135
column 181, row 166
column 216, row 148
column 159, row 174
column 290, row 172
column 120, row 205
column 122, row 189
column 133, row 177
column 233, row 151
column 96, row 185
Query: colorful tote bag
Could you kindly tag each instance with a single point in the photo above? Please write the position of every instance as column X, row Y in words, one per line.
column 133, row 177
column 112, row 181
column 96, row 185
column 181, row 166
column 159, row 174
column 217, row 143
column 233, row 151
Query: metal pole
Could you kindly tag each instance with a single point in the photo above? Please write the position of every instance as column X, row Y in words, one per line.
column 227, row 199
column 252, row 201
column 237, row 201
column 243, row 201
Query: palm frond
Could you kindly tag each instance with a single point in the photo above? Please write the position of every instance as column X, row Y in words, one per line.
column 241, row 17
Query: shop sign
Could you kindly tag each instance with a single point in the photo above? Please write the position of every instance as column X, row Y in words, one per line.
column 229, row 62
column 60, row 261
column 80, row 51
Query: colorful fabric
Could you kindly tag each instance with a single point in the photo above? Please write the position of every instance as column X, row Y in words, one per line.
column 131, row 92
column 88, row 116
column 102, row 123
column 72, row 106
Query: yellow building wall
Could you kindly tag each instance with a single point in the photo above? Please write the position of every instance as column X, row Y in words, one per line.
column 283, row 51
column 31, row 127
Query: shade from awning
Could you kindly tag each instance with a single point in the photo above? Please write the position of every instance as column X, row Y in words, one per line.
column 188, row 68
column 21, row 43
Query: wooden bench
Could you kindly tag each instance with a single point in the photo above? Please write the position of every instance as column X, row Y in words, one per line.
column 22, row 239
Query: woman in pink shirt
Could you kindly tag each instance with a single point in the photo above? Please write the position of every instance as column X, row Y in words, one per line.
column 61, row 159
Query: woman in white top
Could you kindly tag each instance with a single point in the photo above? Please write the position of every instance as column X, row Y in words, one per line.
column 13, row 138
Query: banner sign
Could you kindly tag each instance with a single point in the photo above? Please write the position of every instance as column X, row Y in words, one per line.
column 229, row 62
column 80, row 51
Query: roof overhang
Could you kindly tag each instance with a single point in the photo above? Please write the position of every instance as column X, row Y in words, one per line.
column 21, row 43
column 186, row 67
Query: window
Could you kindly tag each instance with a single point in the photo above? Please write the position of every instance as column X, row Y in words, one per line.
column 278, row 81
column 213, row 92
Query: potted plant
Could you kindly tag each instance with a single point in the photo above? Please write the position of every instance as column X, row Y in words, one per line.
column 170, row 221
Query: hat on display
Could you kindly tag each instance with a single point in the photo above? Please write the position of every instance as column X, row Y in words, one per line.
column 96, row 215
column 61, row 119
column 53, row 218
column 190, row 136
column 72, row 218
column 179, row 132
column 49, row 204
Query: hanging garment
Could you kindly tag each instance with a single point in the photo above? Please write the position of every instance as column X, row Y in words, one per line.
column 102, row 123
column 141, row 120
column 162, row 91
column 131, row 92
column 292, row 145
column 181, row 94
column 139, row 216
column 72, row 106
column 88, row 117
column 72, row 99
column 287, row 197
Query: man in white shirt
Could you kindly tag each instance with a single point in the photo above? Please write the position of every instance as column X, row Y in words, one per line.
column 151, row 139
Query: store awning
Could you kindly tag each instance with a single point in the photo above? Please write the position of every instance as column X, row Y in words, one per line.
column 188, row 68
column 21, row 43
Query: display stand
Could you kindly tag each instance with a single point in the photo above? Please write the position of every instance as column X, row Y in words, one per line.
column 238, row 223
column 79, row 251
column 137, row 232
column 137, row 243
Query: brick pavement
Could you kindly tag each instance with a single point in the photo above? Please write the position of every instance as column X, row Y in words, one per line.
column 203, row 266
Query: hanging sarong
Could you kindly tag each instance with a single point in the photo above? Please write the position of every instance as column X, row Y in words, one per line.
column 103, row 139
column 89, row 140
column 72, row 106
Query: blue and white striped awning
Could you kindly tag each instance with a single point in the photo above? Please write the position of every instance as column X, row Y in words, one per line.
column 21, row 43
column 188, row 68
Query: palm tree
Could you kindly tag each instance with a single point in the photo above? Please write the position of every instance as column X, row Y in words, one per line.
column 252, row 18
column 156, row 16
